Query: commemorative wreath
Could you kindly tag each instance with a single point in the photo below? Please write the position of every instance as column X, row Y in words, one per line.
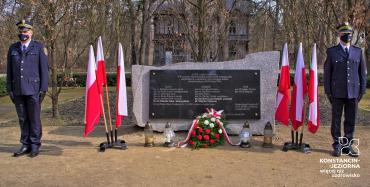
column 208, row 130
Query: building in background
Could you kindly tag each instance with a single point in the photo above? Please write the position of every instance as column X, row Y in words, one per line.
column 171, row 45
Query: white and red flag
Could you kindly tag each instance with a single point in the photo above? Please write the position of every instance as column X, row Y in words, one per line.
column 121, row 103
column 299, row 91
column 283, row 93
column 92, row 96
column 100, row 65
column 313, row 97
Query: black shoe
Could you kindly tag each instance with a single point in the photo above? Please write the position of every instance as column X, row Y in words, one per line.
column 352, row 152
column 34, row 154
column 22, row 151
column 345, row 150
column 336, row 152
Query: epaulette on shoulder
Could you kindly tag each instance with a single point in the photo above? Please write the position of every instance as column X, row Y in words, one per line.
column 15, row 44
column 37, row 42
column 332, row 47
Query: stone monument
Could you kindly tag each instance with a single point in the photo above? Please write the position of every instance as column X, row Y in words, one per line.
column 176, row 93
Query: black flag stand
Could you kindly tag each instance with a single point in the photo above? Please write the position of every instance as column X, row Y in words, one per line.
column 295, row 145
column 104, row 145
column 118, row 144
column 303, row 147
column 290, row 145
column 115, row 143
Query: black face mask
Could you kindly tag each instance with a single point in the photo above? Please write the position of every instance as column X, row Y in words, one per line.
column 346, row 38
column 23, row 37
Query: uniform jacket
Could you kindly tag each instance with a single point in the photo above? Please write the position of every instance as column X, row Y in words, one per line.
column 27, row 72
column 344, row 77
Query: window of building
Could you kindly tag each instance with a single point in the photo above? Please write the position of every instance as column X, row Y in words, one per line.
column 169, row 28
column 232, row 50
column 242, row 29
column 232, row 28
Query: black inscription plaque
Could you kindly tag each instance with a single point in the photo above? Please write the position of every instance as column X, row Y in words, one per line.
column 187, row 93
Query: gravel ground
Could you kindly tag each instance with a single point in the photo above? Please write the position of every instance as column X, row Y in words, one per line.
column 68, row 159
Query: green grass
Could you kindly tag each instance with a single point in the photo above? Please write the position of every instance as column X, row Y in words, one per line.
column 365, row 102
column 7, row 108
column 8, row 112
column 66, row 94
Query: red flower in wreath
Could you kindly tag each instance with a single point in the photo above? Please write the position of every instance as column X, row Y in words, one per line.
column 217, row 136
column 206, row 137
column 193, row 132
column 200, row 130
column 205, row 131
column 196, row 125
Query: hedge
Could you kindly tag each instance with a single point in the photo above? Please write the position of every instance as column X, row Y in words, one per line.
column 3, row 86
column 321, row 79
column 78, row 80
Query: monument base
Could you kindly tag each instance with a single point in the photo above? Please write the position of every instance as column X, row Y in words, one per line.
column 233, row 127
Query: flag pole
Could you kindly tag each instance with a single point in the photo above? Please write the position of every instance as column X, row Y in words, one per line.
column 110, row 118
column 301, row 135
column 105, row 120
column 290, row 145
column 305, row 106
column 115, row 134
column 296, row 137
column 292, row 134
column 117, row 96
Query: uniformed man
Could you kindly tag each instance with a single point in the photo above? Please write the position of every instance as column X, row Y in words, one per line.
column 345, row 84
column 27, row 83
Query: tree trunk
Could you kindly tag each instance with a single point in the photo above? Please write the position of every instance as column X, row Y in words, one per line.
column 223, row 28
column 144, row 15
column 54, row 81
column 367, row 50
column 200, row 25
column 132, row 31
column 276, row 25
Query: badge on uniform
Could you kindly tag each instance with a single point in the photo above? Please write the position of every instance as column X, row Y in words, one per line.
column 45, row 51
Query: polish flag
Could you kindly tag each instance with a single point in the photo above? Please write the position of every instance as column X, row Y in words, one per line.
column 100, row 64
column 283, row 95
column 92, row 96
column 314, row 113
column 299, row 90
column 121, row 104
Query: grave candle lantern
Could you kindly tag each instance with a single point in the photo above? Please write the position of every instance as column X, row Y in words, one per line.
column 268, row 134
column 169, row 136
column 245, row 136
column 149, row 136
